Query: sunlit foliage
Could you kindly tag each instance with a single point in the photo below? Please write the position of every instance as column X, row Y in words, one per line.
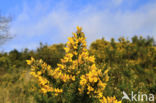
column 133, row 64
column 76, row 78
column 69, row 73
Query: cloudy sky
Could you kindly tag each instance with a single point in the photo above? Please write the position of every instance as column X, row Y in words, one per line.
column 52, row 21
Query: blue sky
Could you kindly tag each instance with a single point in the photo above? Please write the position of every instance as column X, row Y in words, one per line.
column 52, row 21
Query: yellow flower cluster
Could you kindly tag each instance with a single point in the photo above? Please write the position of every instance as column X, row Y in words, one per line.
column 109, row 100
column 93, row 83
column 38, row 68
column 76, row 66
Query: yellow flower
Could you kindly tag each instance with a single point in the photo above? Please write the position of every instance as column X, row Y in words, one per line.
column 40, row 61
column 75, row 46
column 80, row 90
column 58, row 90
column 109, row 100
column 83, row 82
column 61, row 66
column 92, row 59
column 66, row 49
column 75, row 35
column 106, row 78
column 29, row 62
column 73, row 78
column 100, row 84
column 79, row 29
column 106, row 71
column 39, row 73
column 43, row 90
column 100, row 94
column 90, row 88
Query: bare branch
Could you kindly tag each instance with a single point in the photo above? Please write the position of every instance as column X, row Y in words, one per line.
column 4, row 29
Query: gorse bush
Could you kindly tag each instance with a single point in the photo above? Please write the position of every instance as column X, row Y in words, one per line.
column 76, row 79
column 132, row 63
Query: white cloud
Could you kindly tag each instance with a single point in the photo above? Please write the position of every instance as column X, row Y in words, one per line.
column 117, row 2
column 96, row 23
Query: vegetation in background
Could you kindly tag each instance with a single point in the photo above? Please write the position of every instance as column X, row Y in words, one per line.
column 132, row 66
column 16, row 83
column 50, row 54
